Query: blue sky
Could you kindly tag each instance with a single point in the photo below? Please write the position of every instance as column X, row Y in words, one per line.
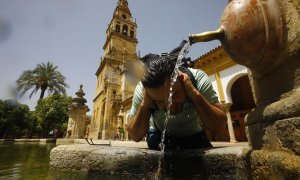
column 71, row 34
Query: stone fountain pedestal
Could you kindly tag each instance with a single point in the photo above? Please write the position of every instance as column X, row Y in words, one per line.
column 273, row 128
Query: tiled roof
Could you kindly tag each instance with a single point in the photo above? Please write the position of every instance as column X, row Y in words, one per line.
column 208, row 53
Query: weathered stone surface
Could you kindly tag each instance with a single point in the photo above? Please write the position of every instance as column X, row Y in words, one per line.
column 265, row 122
column 270, row 139
column 71, row 157
column 255, row 133
column 272, row 165
column 221, row 163
column 103, row 159
column 288, row 134
column 292, row 16
column 213, row 163
column 122, row 160
column 281, row 135
column 218, row 163
column 286, row 107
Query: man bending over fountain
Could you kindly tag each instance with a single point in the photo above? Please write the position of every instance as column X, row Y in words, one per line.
column 194, row 106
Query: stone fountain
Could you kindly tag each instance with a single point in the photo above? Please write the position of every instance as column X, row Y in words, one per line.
column 263, row 35
column 78, row 122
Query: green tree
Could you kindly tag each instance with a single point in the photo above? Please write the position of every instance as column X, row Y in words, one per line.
column 1, row 109
column 20, row 119
column 14, row 119
column 52, row 112
column 32, row 125
column 43, row 77
column 2, row 118
column 8, row 127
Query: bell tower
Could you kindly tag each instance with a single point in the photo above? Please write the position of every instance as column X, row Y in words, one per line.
column 121, row 34
column 112, row 89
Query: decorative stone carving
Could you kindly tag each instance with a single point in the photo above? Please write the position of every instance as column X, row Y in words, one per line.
column 78, row 121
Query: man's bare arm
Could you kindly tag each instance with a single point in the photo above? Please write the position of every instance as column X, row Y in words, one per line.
column 138, row 125
column 212, row 115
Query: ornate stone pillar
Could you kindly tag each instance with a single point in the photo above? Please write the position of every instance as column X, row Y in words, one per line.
column 77, row 116
column 227, row 106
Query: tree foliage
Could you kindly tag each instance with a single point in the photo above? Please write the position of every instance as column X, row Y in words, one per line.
column 1, row 110
column 52, row 112
column 15, row 119
column 43, row 77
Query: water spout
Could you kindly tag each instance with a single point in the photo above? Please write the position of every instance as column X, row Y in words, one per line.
column 207, row 36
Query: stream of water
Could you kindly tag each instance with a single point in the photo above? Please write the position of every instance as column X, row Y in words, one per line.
column 182, row 54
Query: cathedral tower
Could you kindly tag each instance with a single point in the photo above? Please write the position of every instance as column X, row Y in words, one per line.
column 113, row 91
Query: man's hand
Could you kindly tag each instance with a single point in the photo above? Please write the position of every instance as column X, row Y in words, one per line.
column 189, row 88
column 211, row 115
column 147, row 101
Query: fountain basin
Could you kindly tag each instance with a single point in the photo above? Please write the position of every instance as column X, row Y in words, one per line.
column 215, row 163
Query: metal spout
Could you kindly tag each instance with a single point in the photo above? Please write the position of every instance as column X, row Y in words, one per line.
column 207, row 36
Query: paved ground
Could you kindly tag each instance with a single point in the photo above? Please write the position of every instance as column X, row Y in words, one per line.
column 141, row 144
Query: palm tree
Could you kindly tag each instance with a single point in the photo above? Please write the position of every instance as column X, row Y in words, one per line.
column 43, row 77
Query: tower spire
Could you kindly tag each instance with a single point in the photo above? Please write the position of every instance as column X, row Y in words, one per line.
column 122, row 6
column 121, row 25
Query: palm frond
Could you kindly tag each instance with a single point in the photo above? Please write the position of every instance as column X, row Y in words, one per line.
column 43, row 76
column 34, row 91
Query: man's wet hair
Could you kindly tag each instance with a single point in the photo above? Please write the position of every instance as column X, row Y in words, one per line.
column 160, row 67
column 157, row 69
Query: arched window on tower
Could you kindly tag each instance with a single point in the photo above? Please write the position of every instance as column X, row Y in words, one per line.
column 118, row 27
column 125, row 29
column 131, row 33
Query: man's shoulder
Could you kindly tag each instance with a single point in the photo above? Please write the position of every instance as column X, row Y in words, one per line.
column 139, row 89
column 139, row 86
column 197, row 72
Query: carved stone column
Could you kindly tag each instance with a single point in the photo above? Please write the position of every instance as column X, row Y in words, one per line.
column 227, row 106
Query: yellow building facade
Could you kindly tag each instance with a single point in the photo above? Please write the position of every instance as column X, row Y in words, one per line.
column 113, row 89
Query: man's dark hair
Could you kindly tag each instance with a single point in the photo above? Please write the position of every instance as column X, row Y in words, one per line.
column 157, row 69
